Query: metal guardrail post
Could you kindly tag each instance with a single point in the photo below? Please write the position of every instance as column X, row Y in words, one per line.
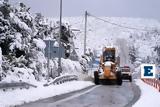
column 5, row 86
column 63, row 79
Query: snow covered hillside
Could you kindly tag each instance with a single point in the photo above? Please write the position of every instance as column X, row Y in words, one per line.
column 138, row 44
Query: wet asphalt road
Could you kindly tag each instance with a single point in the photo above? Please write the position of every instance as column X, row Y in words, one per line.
column 97, row 96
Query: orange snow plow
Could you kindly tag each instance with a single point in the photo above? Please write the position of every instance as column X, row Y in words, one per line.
column 108, row 71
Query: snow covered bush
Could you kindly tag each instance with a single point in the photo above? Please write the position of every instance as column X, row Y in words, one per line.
column 22, row 45
column 87, row 60
column 70, row 67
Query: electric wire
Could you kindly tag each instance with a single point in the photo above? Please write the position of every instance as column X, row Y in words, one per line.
column 115, row 24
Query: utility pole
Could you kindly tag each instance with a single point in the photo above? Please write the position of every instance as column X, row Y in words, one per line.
column 85, row 32
column 60, row 34
column 49, row 57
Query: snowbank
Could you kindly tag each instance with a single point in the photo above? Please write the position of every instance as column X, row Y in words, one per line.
column 20, row 74
column 149, row 96
column 18, row 96
column 39, row 43
column 26, row 74
column 69, row 66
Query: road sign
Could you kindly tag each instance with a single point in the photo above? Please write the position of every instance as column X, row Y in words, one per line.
column 148, row 71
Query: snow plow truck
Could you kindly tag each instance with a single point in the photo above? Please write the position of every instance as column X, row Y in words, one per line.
column 108, row 71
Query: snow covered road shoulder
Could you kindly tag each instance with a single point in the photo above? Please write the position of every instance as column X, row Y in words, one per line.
column 18, row 96
column 149, row 96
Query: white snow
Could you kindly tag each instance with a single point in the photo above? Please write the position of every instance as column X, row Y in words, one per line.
column 18, row 96
column 18, row 41
column 0, row 61
column 24, row 74
column 21, row 24
column 56, row 44
column 149, row 95
column 39, row 43
column 42, row 61
column 68, row 66
column 108, row 63
column 1, row 2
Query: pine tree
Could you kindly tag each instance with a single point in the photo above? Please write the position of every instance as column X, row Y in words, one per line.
column 132, row 54
column 157, row 50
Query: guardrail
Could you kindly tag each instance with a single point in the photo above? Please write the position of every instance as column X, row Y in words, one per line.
column 14, row 85
column 153, row 82
column 21, row 85
column 62, row 79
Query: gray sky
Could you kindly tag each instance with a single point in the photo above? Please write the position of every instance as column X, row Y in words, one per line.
column 114, row 8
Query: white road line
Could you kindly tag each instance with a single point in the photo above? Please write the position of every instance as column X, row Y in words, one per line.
column 75, row 96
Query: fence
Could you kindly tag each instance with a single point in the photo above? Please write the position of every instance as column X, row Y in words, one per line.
column 153, row 82
column 5, row 86
column 62, row 79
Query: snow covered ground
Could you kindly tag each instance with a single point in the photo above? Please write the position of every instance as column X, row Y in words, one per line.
column 149, row 96
column 99, row 34
column 17, row 97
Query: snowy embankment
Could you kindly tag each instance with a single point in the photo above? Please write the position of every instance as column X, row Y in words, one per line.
column 18, row 96
column 26, row 75
column 149, row 96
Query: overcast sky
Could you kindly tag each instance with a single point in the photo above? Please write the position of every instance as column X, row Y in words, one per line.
column 113, row 8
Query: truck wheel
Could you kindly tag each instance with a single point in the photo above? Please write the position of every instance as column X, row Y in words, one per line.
column 119, row 78
column 130, row 78
column 96, row 77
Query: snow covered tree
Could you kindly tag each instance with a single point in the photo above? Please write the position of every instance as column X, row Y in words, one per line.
column 157, row 50
column 66, row 38
column 156, row 34
column 132, row 54
column 21, row 41
column 17, row 39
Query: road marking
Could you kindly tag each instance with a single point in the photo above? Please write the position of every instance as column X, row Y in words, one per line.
column 75, row 96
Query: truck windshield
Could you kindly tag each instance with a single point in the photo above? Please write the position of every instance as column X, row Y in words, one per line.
column 109, row 56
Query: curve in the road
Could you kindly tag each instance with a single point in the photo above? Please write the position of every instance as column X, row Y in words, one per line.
column 98, row 96
column 137, row 93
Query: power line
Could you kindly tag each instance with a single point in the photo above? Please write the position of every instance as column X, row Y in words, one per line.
column 115, row 24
